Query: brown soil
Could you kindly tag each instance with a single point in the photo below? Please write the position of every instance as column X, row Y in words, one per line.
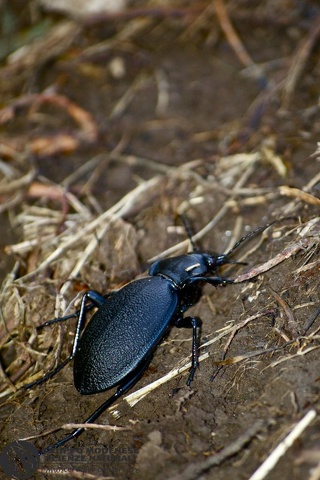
column 157, row 97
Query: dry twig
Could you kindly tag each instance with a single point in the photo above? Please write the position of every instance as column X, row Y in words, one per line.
column 194, row 471
column 268, row 465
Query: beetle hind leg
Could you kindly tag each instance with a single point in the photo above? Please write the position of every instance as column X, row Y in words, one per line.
column 130, row 381
column 194, row 323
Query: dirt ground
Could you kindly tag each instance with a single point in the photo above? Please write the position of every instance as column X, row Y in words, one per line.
column 111, row 127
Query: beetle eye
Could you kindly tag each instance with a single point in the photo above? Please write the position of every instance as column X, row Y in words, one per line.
column 212, row 261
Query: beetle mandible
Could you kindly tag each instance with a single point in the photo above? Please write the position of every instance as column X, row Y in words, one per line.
column 119, row 341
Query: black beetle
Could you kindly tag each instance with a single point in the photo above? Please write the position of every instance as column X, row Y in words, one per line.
column 118, row 343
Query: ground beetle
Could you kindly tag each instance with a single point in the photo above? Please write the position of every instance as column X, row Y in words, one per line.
column 118, row 343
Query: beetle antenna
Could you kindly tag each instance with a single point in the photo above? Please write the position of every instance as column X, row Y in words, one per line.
column 235, row 262
column 254, row 232
column 249, row 235
column 189, row 232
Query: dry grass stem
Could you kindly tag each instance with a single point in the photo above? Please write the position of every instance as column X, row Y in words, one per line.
column 194, row 471
column 299, row 61
column 219, row 215
column 232, row 36
column 117, row 211
column 185, row 364
column 299, row 194
column 309, row 237
column 269, row 464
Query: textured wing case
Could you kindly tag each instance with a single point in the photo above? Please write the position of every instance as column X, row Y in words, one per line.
column 123, row 332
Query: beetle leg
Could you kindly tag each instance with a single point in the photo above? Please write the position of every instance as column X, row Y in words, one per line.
column 97, row 300
column 217, row 280
column 122, row 389
column 212, row 280
column 48, row 375
column 195, row 324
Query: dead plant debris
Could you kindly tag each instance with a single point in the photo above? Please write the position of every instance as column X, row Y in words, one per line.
column 111, row 127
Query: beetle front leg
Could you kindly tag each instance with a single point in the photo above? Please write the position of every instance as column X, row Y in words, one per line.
column 194, row 323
